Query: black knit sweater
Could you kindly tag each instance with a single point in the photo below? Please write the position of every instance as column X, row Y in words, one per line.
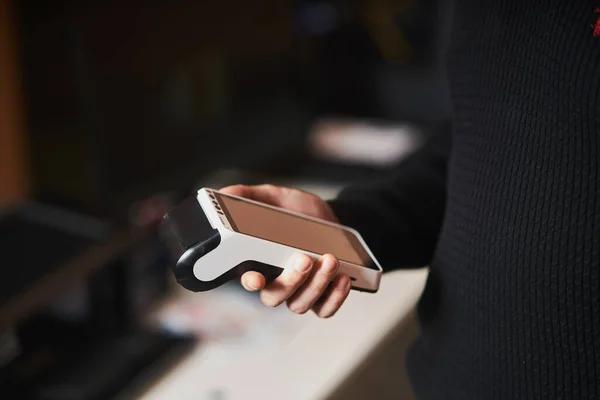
column 505, row 209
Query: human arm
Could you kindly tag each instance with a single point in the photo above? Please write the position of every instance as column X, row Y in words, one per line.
column 399, row 216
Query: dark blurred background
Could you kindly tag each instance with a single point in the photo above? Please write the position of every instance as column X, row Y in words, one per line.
column 113, row 111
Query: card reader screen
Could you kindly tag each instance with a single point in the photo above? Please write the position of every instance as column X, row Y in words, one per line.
column 294, row 231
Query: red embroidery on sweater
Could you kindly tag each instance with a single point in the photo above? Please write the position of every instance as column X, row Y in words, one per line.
column 597, row 25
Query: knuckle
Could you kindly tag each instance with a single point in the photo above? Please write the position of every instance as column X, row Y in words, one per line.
column 269, row 187
column 236, row 188
column 320, row 285
column 295, row 280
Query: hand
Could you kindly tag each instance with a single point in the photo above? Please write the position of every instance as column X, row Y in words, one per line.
column 305, row 284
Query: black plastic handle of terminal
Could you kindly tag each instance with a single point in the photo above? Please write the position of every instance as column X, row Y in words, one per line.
column 189, row 236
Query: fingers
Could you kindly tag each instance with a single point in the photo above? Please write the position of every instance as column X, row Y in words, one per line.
column 237, row 190
column 253, row 281
column 304, row 285
column 315, row 286
column 334, row 297
column 286, row 284
column 268, row 194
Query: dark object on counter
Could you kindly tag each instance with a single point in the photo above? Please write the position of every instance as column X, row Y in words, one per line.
column 37, row 239
column 112, row 367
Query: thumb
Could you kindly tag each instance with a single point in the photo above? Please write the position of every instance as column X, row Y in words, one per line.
column 267, row 194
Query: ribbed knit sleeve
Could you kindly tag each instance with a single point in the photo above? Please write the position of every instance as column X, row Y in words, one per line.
column 400, row 215
column 511, row 308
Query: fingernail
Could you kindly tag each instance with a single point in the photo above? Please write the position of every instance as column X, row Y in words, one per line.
column 302, row 263
column 329, row 265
